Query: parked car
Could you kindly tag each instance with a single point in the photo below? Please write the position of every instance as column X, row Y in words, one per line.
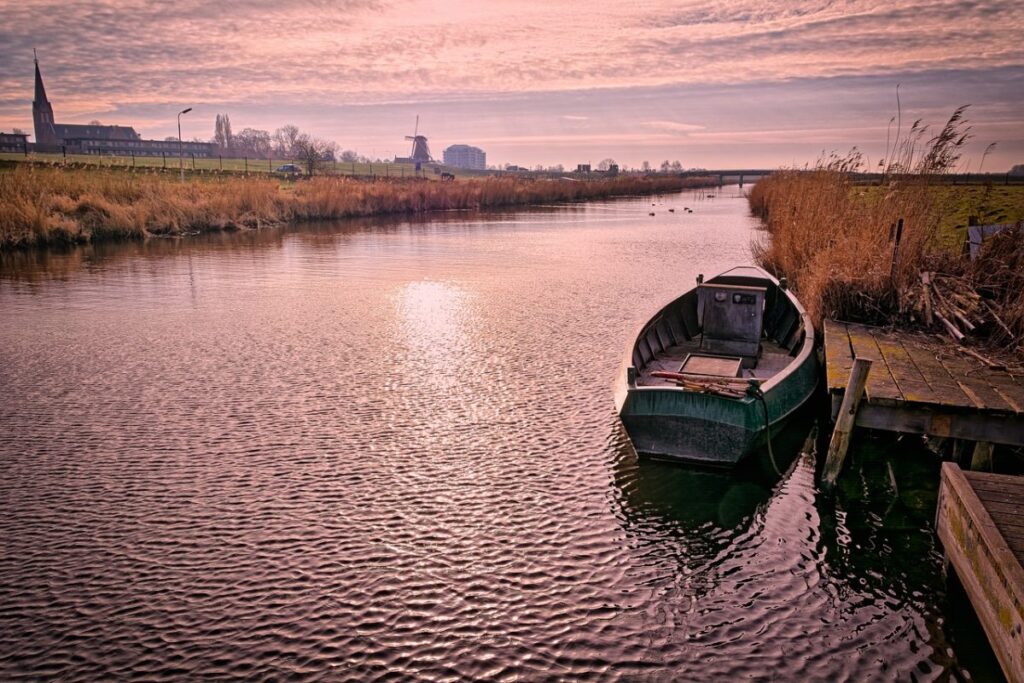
column 289, row 169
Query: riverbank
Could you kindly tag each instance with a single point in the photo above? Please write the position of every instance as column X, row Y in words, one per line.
column 46, row 206
column 837, row 245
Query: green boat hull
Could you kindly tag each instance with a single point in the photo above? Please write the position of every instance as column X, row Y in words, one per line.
column 710, row 429
column 676, row 419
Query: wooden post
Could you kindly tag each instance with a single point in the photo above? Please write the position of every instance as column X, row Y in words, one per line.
column 981, row 460
column 246, row 165
column 844, row 423
column 897, row 235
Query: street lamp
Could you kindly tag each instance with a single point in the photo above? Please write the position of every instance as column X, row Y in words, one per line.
column 181, row 161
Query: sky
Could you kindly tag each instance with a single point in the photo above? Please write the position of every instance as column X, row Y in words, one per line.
column 713, row 84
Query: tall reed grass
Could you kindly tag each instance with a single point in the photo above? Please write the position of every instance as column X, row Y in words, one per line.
column 43, row 206
column 835, row 240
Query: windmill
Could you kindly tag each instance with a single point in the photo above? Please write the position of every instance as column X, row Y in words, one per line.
column 420, row 150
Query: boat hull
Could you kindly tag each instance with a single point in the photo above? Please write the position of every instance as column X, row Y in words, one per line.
column 706, row 428
column 675, row 419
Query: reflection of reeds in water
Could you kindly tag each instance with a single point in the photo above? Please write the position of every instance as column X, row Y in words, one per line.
column 51, row 206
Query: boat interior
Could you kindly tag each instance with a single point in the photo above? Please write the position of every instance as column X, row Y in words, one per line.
column 737, row 325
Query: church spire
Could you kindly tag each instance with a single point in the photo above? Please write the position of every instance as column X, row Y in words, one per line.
column 40, row 90
column 42, row 111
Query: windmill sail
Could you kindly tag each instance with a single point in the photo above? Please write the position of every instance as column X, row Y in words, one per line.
column 420, row 150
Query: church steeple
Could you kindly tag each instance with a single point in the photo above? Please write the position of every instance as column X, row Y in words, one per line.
column 42, row 111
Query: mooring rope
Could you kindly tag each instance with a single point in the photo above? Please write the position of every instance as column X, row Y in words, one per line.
column 755, row 391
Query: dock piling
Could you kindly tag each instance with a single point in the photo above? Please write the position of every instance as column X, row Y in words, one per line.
column 981, row 460
column 844, row 422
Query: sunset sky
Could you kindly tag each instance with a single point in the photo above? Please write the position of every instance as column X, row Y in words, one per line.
column 717, row 83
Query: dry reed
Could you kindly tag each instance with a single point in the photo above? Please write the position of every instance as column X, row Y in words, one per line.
column 835, row 241
column 44, row 206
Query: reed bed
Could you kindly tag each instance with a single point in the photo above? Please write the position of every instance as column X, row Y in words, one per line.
column 838, row 245
column 46, row 206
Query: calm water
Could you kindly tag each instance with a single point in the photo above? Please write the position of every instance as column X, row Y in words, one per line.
column 388, row 451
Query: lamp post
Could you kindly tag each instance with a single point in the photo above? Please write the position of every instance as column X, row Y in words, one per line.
column 181, row 161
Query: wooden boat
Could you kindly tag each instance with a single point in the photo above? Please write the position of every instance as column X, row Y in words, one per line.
column 716, row 370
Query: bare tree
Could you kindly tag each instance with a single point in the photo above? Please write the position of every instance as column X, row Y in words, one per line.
column 349, row 155
column 222, row 133
column 646, row 166
column 606, row 164
column 252, row 142
column 284, row 140
column 313, row 153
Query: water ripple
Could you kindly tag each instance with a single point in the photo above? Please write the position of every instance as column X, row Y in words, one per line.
column 390, row 454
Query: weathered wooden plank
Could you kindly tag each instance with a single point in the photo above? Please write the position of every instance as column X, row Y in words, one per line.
column 1004, row 494
column 985, row 481
column 1009, row 524
column 973, row 379
column 989, row 570
column 838, row 356
column 1008, row 530
column 881, row 383
column 934, row 421
column 924, row 358
column 1016, row 547
column 1009, row 388
column 1003, row 508
column 911, row 382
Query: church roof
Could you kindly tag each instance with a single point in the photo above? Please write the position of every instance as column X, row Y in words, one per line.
column 71, row 131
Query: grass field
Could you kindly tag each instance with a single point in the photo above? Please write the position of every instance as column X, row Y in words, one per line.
column 954, row 206
column 217, row 164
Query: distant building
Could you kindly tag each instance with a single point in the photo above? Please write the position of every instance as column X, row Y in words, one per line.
column 583, row 168
column 75, row 138
column 13, row 143
column 464, row 156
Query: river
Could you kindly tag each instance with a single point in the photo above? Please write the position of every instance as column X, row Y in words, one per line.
column 387, row 450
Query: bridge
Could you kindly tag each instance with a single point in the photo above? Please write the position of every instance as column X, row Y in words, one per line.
column 741, row 175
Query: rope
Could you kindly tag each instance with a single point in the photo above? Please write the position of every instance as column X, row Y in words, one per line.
column 755, row 391
column 725, row 387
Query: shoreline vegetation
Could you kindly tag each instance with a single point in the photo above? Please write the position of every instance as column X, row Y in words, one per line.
column 838, row 245
column 42, row 207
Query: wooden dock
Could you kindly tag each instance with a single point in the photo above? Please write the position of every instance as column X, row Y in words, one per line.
column 922, row 384
column 980, row 521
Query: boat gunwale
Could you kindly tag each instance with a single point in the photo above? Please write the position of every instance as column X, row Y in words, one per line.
column 807, row 345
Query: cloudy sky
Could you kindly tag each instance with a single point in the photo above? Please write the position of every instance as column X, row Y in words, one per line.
column 715, row 83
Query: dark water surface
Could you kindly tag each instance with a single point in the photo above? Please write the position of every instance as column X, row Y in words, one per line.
column 388, row 451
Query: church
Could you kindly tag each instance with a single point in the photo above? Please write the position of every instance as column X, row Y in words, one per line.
column 73, row 138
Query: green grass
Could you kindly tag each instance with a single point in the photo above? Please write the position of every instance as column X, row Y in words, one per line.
column 957, row 204
column 215, row 164
column 987, row 203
